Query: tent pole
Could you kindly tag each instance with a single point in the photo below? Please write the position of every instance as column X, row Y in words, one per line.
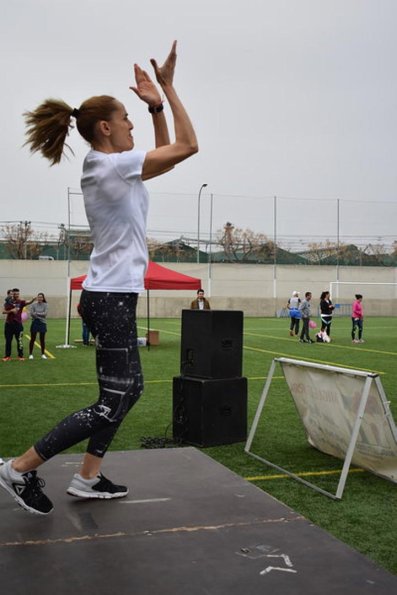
column 68, row 314
column 68, row 318
column 148, row 319
column 69, row 294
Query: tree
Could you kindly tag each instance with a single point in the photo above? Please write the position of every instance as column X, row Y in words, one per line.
column 80, row 243
column 62, row 243
column 378, row 253
column 243, row 244
column 158, row 250
column 173, row 251
column 318, row 252
column 21, row 241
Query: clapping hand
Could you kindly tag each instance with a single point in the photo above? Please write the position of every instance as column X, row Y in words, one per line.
column 165, row 73
column 145, row 87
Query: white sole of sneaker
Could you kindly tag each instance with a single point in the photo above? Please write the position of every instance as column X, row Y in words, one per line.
column 96, row 495
column 21, row 503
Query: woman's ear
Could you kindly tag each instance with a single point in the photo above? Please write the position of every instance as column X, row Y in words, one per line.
column 103, row 127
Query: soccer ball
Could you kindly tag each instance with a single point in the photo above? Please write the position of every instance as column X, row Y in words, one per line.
column 312, row 324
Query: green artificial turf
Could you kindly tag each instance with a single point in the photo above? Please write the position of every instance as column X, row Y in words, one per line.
column 34, row 395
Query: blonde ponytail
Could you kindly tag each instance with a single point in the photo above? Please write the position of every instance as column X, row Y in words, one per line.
column 47, row 128
column 48, row 125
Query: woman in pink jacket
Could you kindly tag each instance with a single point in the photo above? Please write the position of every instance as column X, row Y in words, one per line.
column 357, row 319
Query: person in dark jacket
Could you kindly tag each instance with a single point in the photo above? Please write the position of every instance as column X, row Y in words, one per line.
column 326, row 311
column 200, row 303
column 305, row 312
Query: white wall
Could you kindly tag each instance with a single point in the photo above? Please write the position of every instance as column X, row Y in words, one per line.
column 258, row 290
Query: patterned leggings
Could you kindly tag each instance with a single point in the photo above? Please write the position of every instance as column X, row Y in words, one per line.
column 111, row 320
column 11, row 330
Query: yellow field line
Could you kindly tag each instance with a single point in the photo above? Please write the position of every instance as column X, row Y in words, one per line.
column 366, row 349
column 303, row 474
column 48, row 384
column 264, row 378
column 94, row 383
column 309, row 359
column 70, row 384
column 48, row 353
column 332, row 344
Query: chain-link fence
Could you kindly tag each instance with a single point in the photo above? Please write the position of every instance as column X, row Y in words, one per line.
column 221, row 228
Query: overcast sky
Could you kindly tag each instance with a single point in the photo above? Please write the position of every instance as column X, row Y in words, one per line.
column 294, row 98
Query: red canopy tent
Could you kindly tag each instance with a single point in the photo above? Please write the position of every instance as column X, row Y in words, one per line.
column 157, row 277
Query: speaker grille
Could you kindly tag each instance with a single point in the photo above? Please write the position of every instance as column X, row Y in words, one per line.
column 209, row 412
column 212, row 343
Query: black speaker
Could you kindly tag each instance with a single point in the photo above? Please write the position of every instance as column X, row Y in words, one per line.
column 209, row 412
column 212, row 343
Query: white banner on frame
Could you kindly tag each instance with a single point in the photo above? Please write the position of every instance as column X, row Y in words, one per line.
column 345, row 414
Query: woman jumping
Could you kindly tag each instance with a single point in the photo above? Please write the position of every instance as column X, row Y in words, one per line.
column 116, row 204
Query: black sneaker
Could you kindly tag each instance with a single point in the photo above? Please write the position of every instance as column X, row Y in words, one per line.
column 27, row 490
column 99, row 487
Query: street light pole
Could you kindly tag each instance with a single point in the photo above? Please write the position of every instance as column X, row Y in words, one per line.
column 68, row 246
column 210, row 258
column 198, row 222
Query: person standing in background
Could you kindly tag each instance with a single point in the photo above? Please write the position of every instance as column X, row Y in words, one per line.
column 38, row 314
column 13, row 325
column 326, row 311
column 8, row 298
column 294, row 312
column 357, row 319
column 85, row 331
column 200, row 303
column 305, row 312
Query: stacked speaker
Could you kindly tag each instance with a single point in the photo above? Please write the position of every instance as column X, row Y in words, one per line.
column 210, row 395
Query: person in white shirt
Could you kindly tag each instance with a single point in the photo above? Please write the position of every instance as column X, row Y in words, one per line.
column 116, row 203
column 294, row 313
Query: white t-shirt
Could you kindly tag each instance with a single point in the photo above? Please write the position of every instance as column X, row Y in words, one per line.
column 116, row 204
column 294, row 302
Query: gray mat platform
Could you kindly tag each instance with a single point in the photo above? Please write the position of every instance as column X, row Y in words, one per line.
column 189, row 526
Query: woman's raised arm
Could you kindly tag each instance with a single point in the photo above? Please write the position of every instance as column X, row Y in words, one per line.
column 165, row 156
